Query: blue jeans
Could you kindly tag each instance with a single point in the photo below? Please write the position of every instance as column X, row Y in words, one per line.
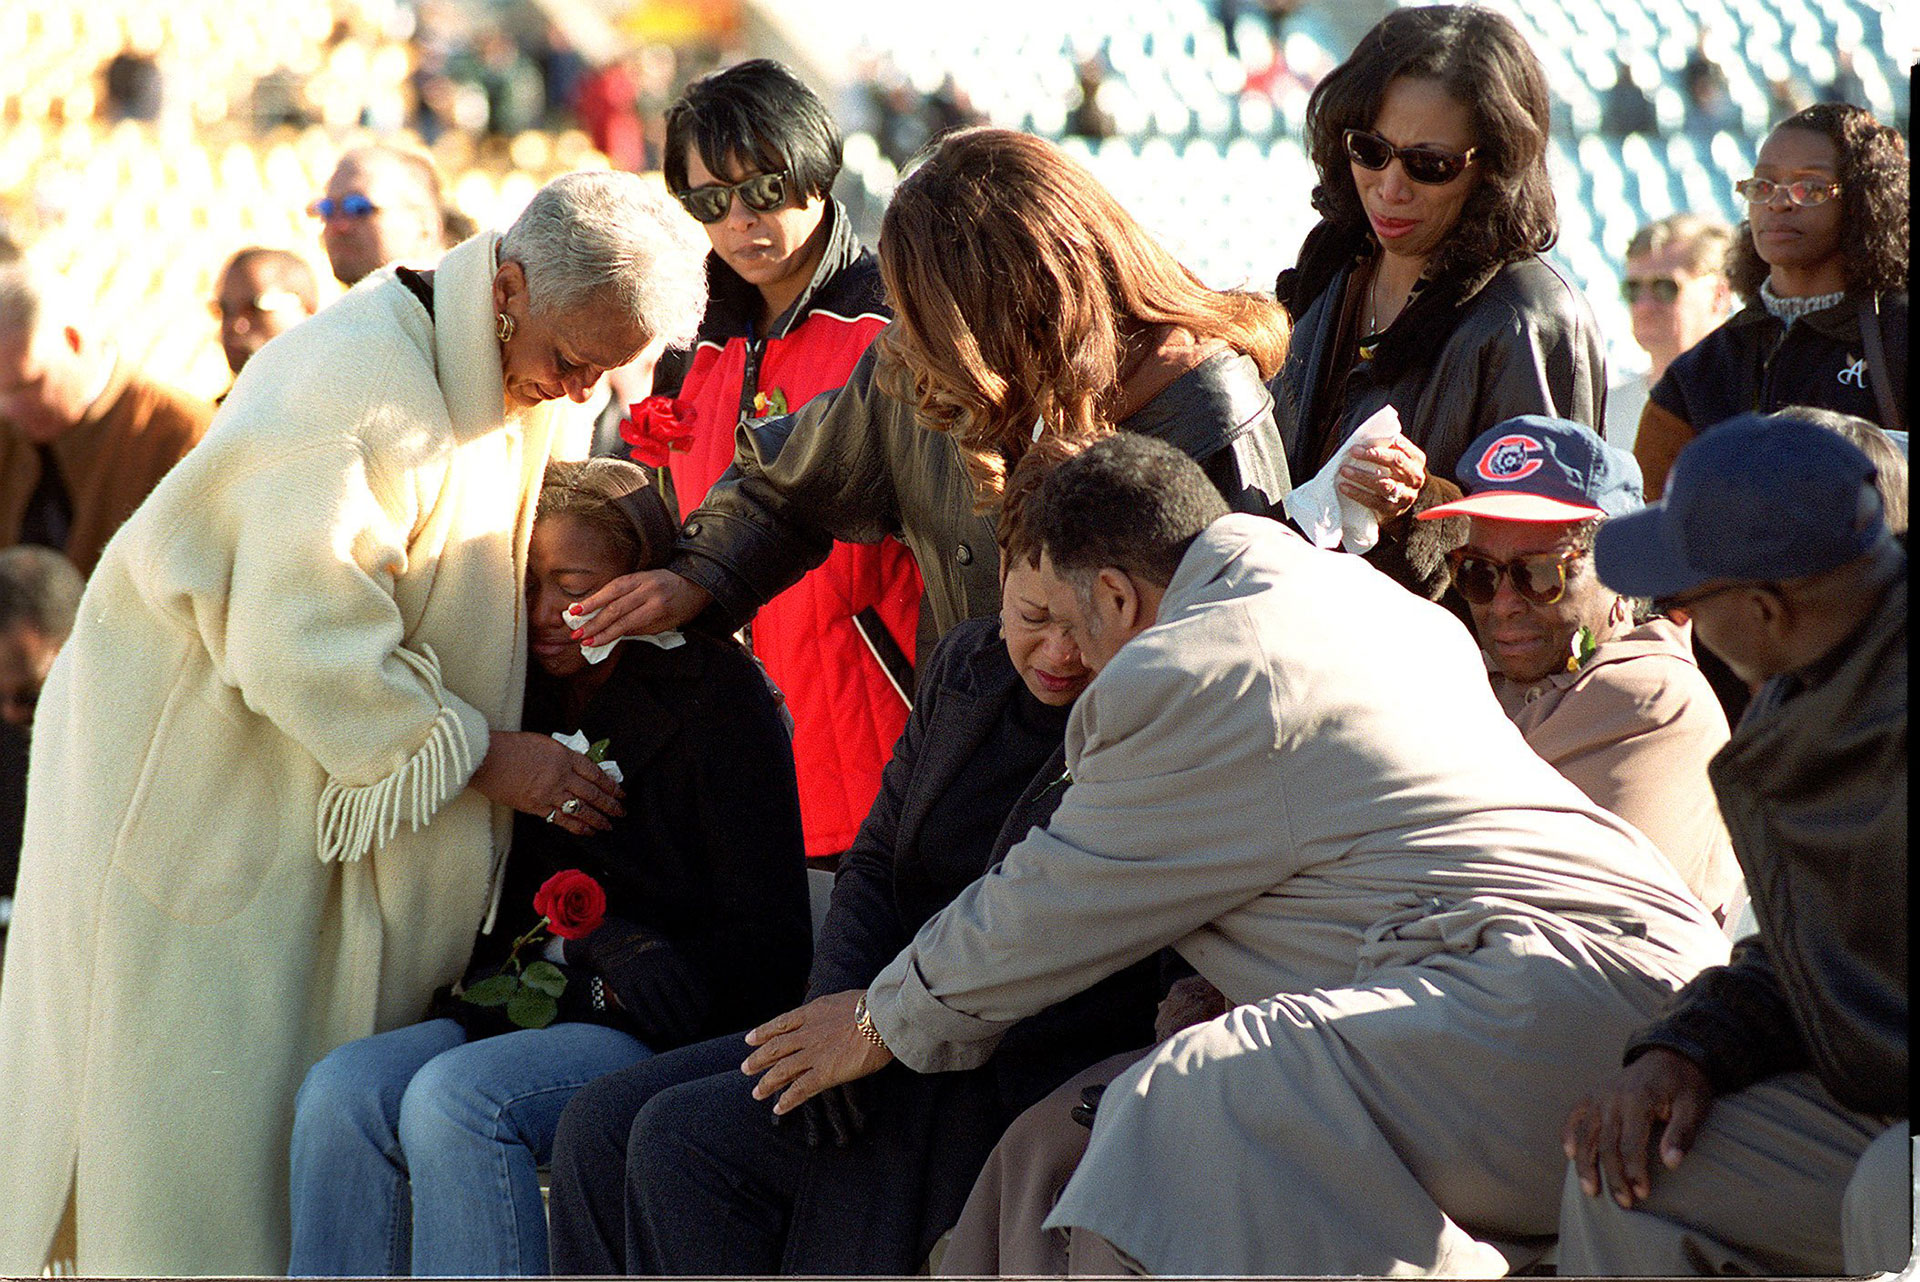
column 416, row 1151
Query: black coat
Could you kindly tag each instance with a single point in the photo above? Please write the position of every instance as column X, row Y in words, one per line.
column 1465, row 354
column 929, row 1134
column 1753, row 362
column 1813, row 785
column 706, row 868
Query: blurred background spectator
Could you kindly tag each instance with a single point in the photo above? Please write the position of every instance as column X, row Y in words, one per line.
column 1676, row 288
column 262, row 294
column 1205, row 99
column 39, row 595
column 382, row 205
column 83, row 435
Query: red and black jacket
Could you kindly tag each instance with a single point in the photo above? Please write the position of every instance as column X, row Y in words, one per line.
column 840, row 642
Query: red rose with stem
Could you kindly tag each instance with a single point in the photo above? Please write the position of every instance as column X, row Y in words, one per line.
column 572, row 905
column 656, row 425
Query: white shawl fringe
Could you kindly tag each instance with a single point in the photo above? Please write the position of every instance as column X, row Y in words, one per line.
column 354, row 819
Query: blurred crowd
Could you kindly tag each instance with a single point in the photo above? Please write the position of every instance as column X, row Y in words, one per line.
column 1109, row 774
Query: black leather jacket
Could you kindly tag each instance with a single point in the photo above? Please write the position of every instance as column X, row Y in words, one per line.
column 855, row 465
column 1813, row 787
column 1462, row 356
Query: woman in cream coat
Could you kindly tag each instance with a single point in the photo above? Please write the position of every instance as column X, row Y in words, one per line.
column 274, row 767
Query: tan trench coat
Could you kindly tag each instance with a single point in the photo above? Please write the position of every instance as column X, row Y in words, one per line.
column 1300, row 779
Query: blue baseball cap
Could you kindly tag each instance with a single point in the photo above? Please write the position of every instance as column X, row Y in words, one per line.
column 1536, row 468
column 1763, row 497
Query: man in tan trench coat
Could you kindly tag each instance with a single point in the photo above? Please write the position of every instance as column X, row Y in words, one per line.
column 1293, row 771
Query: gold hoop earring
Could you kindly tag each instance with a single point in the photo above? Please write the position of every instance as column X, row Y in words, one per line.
column 503, row 327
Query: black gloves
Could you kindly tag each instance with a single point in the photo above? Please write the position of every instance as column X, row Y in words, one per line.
column 651, row 980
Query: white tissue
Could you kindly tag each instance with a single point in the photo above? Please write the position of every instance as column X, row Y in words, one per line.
column 1327, row 516
column 578, row 742
column 595, row 653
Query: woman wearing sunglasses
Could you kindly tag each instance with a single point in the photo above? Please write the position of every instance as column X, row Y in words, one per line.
column 793, row 299
column 1029, row 305
column 1422, row 288
column 1821, row 266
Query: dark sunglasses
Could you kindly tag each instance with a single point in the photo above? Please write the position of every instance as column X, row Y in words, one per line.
column 762, row 193
column 1761, row 191
column 1662, row 289
column 353, row 205
column 1541, row 579
column 1428, row 165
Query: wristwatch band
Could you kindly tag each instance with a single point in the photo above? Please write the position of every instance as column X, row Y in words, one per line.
column 863, row 1023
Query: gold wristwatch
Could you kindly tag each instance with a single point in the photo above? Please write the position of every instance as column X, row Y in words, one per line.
column 863, row 1023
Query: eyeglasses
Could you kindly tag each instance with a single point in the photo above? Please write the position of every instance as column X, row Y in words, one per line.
column 1541, row 579
column 1429, row 165
column 762, row 193
column 1761, row 191
column 352, row 205
column 1662, row 289
column 1687, row 600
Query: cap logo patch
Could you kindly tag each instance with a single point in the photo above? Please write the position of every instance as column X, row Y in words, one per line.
column 1511, row 458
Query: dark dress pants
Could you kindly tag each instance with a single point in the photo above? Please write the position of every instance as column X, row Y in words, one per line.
column 678, row 1170
column 587, row 1203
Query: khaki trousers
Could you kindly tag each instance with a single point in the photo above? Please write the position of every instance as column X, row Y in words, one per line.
column 1775, row 1184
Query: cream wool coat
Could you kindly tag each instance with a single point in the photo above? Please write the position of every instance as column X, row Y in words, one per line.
column 250, row 837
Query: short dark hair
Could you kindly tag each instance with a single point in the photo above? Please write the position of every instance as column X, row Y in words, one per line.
column 40, row 588
column 1487, row 67
column 282, row 266
column 755, row 111
column 1870, row 164
column 1889, row 464
column 1128, row 502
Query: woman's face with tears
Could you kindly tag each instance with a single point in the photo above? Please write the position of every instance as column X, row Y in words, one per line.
column 1042, row 653
column 567, row 560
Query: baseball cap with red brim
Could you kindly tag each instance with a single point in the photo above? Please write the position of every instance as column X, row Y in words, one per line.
column 1536, row 468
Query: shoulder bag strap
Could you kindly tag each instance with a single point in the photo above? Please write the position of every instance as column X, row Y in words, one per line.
column 1890, row 417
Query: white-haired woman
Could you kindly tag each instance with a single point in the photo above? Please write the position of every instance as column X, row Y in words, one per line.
column 279, row 756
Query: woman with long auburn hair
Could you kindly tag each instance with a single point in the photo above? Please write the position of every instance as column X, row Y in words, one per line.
column 986, row 353
column 1028, row 304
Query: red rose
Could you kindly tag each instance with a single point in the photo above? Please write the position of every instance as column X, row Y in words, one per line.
column 656, row 425
column 572, row 902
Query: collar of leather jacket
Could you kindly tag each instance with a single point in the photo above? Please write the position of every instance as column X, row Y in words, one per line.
column 1330, row 250
column 1223, row 388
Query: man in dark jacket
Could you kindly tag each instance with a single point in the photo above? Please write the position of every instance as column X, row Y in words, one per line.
column 1775, row 1088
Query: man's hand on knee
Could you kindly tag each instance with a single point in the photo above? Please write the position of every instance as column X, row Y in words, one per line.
column 1612, row 1131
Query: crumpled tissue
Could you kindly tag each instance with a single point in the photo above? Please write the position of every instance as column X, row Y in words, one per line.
column 578, row 742
column 1327, row 516
column 595, row 653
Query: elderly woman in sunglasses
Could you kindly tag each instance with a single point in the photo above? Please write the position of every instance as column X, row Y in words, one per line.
column 281, row 751
column 1821, row 266
column 793, row 300
column 1422, row 288
column 1612, row 699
